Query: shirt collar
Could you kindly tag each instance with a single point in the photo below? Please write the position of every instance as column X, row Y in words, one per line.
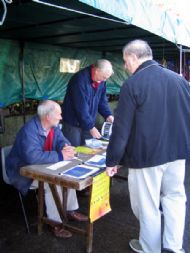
column 42, row 131
column 146, row 64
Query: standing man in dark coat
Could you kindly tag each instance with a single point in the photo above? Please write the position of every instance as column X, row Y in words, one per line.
column 151, row 137
column 85, row 97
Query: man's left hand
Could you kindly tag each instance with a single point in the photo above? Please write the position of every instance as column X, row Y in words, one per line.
column 110, row 119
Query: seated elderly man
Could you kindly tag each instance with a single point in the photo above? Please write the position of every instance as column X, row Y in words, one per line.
column 41, row 141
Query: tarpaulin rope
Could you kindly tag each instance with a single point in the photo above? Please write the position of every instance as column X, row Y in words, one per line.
column 4, row 2
column 79, row 12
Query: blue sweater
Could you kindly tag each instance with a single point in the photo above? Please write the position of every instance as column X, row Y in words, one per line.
column 152, row 120
column 82, row 101
column 29, row 149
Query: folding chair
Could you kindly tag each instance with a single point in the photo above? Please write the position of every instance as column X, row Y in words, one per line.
column 4, row 153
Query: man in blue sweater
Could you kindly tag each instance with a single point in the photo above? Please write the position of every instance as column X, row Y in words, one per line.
column 85, row 97
column 151, row 137
column 40, row 141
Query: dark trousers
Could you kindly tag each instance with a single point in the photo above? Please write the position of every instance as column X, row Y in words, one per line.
column 75, row 135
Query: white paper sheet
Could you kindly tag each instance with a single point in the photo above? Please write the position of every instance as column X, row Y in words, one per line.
column 58, row 165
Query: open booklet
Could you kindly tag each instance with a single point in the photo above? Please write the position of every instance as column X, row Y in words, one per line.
column 97, row 161
column 80, row 171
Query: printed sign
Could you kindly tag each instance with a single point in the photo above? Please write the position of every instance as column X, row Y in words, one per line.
column 100, row 197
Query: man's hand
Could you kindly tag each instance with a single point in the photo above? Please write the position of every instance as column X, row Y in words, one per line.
column 68, row 152
column 111, row 171
column 110, row 119
column 95, row 133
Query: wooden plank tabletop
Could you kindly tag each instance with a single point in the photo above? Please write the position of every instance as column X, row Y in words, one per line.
column 42, row 173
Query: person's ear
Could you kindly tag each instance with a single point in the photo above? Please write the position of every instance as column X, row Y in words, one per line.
column 48, row 117
column 134, row 57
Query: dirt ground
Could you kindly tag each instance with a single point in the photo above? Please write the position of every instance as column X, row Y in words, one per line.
column 111, row 233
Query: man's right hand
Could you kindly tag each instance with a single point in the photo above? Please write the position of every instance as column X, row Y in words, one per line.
column 95, row 133
column 68, row 152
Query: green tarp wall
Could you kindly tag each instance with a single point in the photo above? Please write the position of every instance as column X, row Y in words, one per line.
column 42, row 78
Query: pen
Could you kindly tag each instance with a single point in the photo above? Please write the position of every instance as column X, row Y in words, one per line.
column 76, row 158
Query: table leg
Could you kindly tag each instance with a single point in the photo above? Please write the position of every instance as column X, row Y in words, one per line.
column 61, row 207
column 40, row 206
column 89, row 239
column 57, row 200
column 65, row 195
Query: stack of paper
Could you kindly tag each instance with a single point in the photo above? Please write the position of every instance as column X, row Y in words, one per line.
column 93, row 143
column 97, row 161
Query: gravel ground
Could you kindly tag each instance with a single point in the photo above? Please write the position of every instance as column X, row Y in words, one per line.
column 111, row 233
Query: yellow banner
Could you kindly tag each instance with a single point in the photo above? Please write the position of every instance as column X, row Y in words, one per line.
column 100, row 196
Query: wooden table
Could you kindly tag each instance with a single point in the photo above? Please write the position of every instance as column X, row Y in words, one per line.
column 53, row 178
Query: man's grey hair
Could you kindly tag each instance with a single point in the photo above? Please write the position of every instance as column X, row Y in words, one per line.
column 103, row 65
column 46, row 107
column 138, row 47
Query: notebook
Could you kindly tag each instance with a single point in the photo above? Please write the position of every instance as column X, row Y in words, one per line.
column 80, row 171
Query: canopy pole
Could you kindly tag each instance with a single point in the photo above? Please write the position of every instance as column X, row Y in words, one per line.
column 181, row 56
column 22, row 81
